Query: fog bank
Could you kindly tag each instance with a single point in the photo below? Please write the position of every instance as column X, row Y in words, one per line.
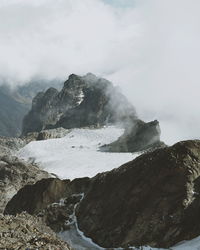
column 151, row 49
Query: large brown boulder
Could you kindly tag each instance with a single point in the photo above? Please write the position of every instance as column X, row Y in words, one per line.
column 153, row 200
column 34, row 198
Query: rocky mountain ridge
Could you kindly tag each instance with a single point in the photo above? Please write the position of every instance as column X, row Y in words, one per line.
column 89, row 101
column 83, row 101
column 152, row 200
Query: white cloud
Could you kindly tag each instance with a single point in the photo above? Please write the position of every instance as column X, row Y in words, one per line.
column 151, row 49
column 56, row 38
column 164, row 82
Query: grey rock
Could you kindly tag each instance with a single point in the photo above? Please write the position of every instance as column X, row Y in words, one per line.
column 9, row 145
column 27, row 232
column 43, row 135
column 52, row 133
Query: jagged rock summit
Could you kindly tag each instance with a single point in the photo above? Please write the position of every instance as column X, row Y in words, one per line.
column 83, row 101
column 138, row 136
column 153, row 200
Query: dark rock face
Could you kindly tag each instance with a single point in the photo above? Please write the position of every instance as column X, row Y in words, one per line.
column 83, row 101
column 153, row 200
column 14, row 174
column 27, row 232
column 33, row 198
column 138, row 136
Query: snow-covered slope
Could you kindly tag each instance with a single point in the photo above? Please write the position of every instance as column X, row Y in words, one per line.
column 77, row 154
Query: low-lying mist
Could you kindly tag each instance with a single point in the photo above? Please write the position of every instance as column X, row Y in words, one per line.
column 151, row 49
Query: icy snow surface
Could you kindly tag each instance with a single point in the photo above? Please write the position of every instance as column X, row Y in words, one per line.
column 77, row 154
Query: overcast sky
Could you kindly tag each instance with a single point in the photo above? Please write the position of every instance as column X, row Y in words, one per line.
column 150, row 48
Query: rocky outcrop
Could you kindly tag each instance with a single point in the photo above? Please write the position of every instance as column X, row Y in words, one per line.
column 35, row 198
column 14, row 174
column 58, row 215
column 138, row 136
column 83, row 101
column 45, row 134
column 153, row 200
column 9, row 145
column 11, row 114
column 27, row 232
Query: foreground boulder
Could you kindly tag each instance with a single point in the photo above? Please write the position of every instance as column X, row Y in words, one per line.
column 138, row 136
column 153, row 200
column 27, row 232
column 35, row 198
column 14, row 174
column 83, row 101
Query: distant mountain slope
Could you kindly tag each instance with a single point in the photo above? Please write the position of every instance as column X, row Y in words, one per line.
column 15, row 103
column 11, row 115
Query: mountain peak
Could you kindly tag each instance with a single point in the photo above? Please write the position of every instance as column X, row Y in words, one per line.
column 83, row 101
